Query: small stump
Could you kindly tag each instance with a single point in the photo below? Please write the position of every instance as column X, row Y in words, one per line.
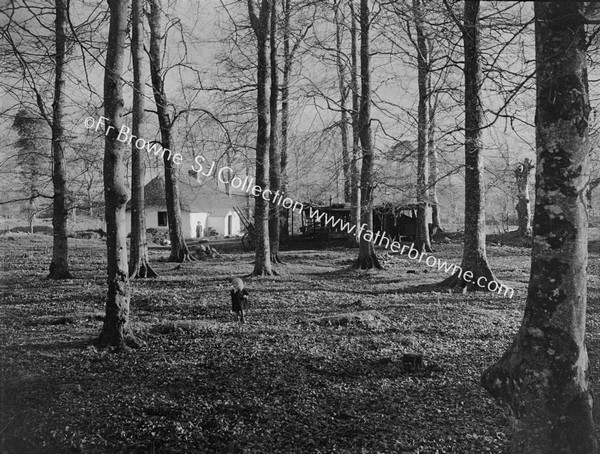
column 412, row 362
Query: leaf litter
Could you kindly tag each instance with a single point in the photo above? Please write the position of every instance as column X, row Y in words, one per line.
column 318, row 367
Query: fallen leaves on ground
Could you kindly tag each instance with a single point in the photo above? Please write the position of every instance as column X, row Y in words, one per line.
column 317, row 368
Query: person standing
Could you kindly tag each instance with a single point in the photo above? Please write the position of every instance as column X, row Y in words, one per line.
column 239, row 298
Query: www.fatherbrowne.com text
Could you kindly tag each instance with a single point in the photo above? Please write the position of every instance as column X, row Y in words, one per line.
column 381, row 239
column 227, row 175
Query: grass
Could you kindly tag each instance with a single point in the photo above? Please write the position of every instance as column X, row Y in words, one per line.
column 289, row 380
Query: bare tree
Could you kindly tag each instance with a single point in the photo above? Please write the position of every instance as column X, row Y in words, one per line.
column 31, row 161
column 355, row 194
column 474, row 258
column 179, row 248
column 33, row 66
column 290, row 48
column 339, row 19
column 544, row 377
column 274, row 144
column 366, row 253
column 436, row 222
column 522, row 174
column 59, row 266
column 139, row 263
column 116, row 330
column 260, row 26
column 288, row 58
column 86, row 180
column 422, row 240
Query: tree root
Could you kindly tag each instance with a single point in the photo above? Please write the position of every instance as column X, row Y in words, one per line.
column 526, row 373
column 454, row 284
column 423, row 246
column 263, row 272
column 367, row 263
column 276, row 259
column 59, row 272
column 458, row 284
column 117, row 343
column 142, row 270
column 182, row 257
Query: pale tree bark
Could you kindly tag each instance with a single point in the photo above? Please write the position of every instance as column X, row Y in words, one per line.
column 139, row 263
column 474, row 254
column 59, row 267
column 366, row 253
column 522, row 174
column 260, row 26
column 179, row 249
column 274, row 150
column 436, row 222
column 422, row 239
column 544, row 377
column 343, row 89
column 356, row 151
column 116, row 331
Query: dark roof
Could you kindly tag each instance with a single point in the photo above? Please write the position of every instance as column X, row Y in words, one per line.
column 345, row 207
column 195, row 197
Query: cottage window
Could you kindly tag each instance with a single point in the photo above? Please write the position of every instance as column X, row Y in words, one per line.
column 162, row 219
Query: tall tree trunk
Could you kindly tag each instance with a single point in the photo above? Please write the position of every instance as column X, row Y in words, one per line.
column 356, row 151
column 285, row 101
column 474, row 258
column 343, row 89
column 116, row 330
column 139, row 264
column 366, row 253
column 433, row 168
column 179, row 249
column 422, row 240
column 59, row 267
column 274, row 151
column 544, row 377
column 260, row 25
column 522, row 173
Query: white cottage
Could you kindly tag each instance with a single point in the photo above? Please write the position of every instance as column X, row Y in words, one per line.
column 204, row 209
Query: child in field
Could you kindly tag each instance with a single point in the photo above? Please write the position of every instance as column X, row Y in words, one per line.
column 239, row 298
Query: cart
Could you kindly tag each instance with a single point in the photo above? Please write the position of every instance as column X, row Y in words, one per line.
column 250, row 235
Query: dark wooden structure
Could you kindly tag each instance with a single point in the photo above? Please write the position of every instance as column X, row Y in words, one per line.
column 399, row 222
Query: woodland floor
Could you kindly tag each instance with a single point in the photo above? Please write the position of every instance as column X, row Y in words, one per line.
column 279, row 384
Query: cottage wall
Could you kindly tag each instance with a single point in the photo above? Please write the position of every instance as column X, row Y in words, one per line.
column 194, row 218
column 219, row 224
column 189, row 222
